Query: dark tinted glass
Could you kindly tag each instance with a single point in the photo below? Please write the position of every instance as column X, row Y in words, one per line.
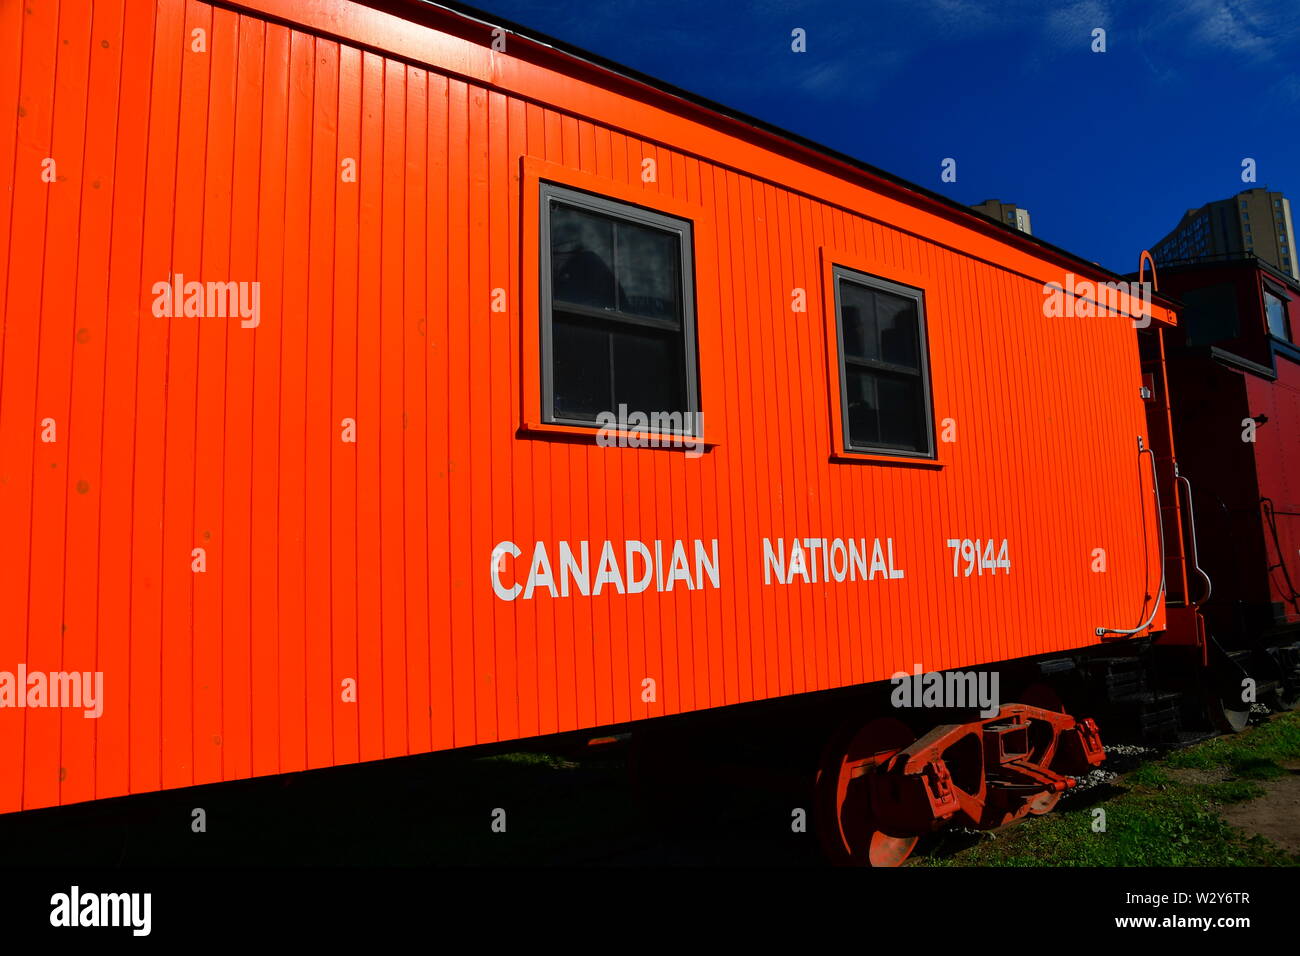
column 901, row 408
column 618, row 310
column 885, row 406
column 582, row 257
column 858, row 314
column 649, row 370
column 581, row 369
column 1276, row 309
column 896, row 320
column 648, row 281
column 885, row 409
column 864, row 415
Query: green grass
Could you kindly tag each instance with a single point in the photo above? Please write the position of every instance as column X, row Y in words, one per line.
column 1154, row 817
column 1256, row 754
column 529, row 759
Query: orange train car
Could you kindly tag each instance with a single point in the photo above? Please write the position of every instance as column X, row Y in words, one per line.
column 377, row 380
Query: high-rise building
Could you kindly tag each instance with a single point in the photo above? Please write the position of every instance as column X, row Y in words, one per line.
column 1254, row 222
column 1007, row 212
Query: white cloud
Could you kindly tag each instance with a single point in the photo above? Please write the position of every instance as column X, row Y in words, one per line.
column 1256, row 29
column 1072, row 25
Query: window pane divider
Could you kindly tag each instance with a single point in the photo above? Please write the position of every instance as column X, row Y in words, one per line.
column 610, row 315
column 874, row 366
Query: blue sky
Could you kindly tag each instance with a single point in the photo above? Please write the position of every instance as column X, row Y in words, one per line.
column 1106, row 150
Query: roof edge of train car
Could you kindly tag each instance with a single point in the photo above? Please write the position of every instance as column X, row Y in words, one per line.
column 440, row 14
column 1234, row 260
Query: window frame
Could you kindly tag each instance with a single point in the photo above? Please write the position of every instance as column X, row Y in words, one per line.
column 1282, row 299
column 619, row 210
column 880, row 451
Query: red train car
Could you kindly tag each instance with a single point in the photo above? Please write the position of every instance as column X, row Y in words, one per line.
column 1234, row 371
column 377, row 381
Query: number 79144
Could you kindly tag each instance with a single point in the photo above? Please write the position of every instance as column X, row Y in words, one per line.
column 978, row 555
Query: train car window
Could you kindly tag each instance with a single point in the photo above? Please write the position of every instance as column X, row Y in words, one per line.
column 1275, row 309
column 884, row 369
column 617, row 311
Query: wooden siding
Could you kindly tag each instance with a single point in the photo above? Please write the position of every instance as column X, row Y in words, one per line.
column 329, row 561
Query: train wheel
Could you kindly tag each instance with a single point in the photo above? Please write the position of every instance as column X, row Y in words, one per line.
column 1223, row 690
column 1230, row 715
column 1041, row 695
column 847, row 827
column 1228, row 712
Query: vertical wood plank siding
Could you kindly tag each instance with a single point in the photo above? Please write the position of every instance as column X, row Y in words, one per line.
column 328, row 561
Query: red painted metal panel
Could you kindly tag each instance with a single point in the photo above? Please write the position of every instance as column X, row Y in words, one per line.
column 1277, row 467
column 333, row 564
column 1237, row 412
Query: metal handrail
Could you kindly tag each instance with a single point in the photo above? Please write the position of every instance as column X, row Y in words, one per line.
column 1160, row 527
column 1194, row 553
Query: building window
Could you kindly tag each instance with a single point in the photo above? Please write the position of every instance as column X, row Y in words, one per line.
column 618, row 311
column 884, row 367
column 1275, row 309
